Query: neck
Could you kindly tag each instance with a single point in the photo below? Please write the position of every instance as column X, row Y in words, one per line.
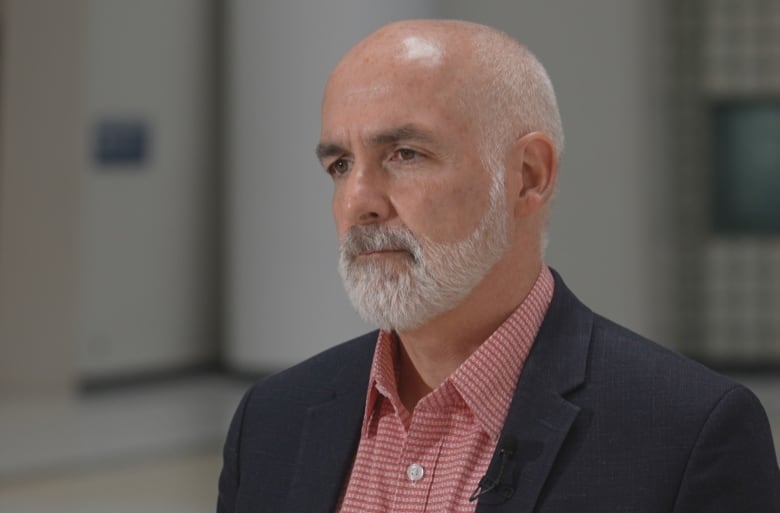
column 431, row 353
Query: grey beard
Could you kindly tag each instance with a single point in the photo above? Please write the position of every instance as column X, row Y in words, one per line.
column 403, row 294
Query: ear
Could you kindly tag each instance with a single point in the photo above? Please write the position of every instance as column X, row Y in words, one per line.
column 533, row 170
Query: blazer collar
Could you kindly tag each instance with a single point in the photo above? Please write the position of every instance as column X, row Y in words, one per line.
column 539, row 416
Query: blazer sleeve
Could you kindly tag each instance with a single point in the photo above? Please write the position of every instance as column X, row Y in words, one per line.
column 732, row 467
column 229, row 477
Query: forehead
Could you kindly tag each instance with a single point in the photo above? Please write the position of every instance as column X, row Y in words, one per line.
column 371, row 97
column 379, row 116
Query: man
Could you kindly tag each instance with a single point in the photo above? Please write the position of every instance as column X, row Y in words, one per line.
column 489, row 386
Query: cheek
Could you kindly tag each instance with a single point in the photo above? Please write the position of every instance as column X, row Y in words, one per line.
column 472, row 199
column 443, row 212
column 337, row 211
column 469, row 205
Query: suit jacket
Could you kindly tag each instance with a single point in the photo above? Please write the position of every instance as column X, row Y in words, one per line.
column 605, row 422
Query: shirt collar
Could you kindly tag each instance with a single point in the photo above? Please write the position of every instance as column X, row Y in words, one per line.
column 486, row 380
column 383, row 381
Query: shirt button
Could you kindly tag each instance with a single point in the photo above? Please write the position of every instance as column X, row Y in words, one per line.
column 415, row 472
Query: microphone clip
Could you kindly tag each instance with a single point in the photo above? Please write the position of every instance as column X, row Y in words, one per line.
column 506, row 447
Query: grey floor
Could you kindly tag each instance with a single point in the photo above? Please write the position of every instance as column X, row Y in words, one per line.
column 151, row 449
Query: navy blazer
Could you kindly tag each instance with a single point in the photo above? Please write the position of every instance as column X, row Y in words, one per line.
column 605, row 422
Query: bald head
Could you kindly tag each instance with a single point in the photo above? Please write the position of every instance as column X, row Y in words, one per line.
column 441, row 139
column 490, row 77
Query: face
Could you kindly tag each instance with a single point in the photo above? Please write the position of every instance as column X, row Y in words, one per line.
column 420, row 215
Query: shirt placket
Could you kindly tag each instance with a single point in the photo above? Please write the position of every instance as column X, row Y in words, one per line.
column 417, row 465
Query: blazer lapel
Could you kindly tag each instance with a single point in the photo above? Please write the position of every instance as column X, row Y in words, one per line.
column 329, row 439
column 540, row 417
column 328, row 443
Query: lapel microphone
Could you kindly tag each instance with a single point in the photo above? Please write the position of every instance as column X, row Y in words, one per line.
column 505, row 449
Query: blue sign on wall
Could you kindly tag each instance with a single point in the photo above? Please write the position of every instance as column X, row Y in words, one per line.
column 122, row 142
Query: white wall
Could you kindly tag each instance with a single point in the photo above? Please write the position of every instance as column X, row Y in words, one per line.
column 149, row 296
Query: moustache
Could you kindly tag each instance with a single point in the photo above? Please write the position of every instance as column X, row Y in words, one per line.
column 373, row 238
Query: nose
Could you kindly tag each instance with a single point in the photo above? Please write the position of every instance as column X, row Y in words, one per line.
column 362, row 197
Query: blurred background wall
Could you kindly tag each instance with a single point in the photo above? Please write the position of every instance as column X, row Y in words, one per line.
column 42, row 145
column 148, row 296
column 162, row 212
column 726, row 112
column 220, row 212
column 109, row 188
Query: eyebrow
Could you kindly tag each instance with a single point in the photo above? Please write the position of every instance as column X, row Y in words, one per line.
column 404, row 133
column 324, row 151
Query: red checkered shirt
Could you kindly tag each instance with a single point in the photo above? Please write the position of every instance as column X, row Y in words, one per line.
column 431, row 460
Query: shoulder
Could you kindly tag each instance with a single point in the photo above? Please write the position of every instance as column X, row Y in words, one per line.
column 652, row 397
column 622, row 348
column 626, row 380
column 625, row 359
column 316, row 379
column 699, row 434
column 617, row 361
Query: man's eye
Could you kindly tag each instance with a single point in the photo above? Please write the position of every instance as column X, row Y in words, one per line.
column 338, row 168
column 404, row 154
